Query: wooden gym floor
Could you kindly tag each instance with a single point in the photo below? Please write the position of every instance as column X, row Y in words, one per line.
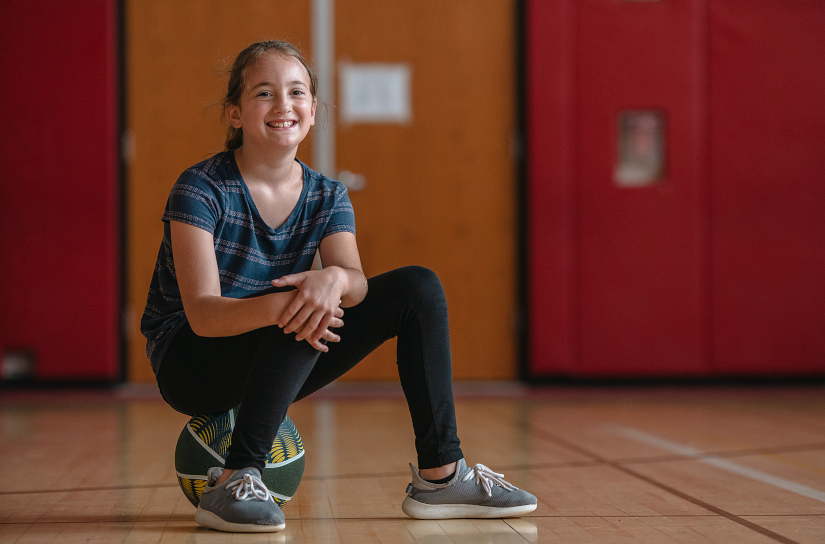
column 632, row 465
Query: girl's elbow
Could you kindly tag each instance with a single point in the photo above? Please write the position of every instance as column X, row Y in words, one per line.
column 199, row 328
column 199, row 325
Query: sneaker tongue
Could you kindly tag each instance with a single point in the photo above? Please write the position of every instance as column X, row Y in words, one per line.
column 461, row 468
column 213, row 474
column 421, row 483
column 239, row 474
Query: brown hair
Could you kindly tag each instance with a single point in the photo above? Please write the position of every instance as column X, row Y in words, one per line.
column 237, row 79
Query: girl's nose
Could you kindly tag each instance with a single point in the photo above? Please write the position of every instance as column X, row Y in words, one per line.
column 282, row 104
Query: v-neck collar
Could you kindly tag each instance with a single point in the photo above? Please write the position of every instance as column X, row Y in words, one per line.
column 256, row 215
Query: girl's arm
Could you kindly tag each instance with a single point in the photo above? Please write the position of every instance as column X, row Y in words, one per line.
column 340, row 282
column 208, row 312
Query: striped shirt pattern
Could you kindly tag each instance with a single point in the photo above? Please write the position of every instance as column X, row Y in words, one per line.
column 212, row 195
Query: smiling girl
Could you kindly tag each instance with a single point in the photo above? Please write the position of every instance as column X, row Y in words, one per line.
column 237, row 316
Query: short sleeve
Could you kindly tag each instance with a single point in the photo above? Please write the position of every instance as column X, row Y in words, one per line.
column 196, row 201
column 342, row 216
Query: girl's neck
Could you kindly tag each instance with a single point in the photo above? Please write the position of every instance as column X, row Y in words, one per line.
column 270, row 168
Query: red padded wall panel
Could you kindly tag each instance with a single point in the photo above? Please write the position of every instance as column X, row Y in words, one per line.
column 642, row 267
column 719, row 269
column 767, row 89
column 550, row 126
column 59, row 226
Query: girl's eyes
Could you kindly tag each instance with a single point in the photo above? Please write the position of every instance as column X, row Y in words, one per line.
column 270, row 94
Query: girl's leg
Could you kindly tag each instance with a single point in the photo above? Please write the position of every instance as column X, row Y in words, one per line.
column 262, row 371
column 213, row 374
column 266, row 370
column 408, row 303
column 202, row 375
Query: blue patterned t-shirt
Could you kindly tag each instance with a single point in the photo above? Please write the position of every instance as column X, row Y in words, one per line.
column 212, row 195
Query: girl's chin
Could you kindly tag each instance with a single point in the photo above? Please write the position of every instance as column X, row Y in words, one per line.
column 278, row 141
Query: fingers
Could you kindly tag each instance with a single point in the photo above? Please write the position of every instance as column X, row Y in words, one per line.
column 299, row 321
column 314, row 310
column 290, row 279
column 315, row 327
column 327, row 336
column 291, row 315
column 303, row 312
column 330, row 336
column 308, row 330
column 288, row 314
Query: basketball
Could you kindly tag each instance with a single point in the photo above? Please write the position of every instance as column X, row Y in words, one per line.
column 204, row 441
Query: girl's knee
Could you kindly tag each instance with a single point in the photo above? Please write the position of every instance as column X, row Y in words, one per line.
column 421, row 285
column 277, row 346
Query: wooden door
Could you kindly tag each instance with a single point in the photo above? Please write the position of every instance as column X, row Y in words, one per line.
column 440, row 191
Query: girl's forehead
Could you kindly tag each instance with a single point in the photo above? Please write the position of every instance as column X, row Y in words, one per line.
column 272, row 67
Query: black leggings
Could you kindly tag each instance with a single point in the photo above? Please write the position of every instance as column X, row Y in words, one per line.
column 265, row 370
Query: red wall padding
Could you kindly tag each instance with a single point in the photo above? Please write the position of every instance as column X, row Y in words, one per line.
column 767, row 130
column 59, row 226
column 717, row 270
column 551, row 225
column 642, row 299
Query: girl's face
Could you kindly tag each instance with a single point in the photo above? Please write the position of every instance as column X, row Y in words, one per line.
column 276, row 108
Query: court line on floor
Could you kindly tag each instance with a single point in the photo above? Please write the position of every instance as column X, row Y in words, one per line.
column 550, row 437
column 723, row 464
column 796, row 448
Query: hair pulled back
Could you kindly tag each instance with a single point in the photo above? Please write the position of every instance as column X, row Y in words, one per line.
column 237, row 79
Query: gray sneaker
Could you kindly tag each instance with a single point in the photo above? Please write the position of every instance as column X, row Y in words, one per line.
column 242, row 504
column 475, row 492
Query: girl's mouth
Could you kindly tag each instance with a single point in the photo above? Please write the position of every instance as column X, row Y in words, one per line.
column 281, row 124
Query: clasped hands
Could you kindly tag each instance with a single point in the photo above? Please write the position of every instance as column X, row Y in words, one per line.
column 315, row 310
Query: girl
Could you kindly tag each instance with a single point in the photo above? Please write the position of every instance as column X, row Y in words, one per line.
column 236, row 316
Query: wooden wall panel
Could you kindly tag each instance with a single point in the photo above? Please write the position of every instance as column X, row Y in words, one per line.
column 173, row 87
column 440, row 191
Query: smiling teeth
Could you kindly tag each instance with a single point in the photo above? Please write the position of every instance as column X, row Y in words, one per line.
column 283, row 125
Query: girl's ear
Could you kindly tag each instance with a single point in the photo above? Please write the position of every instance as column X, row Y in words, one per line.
column 314, row 105
column 233, row 113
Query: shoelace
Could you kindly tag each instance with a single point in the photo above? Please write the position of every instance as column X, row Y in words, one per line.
column 249, row 488
column 484, row 475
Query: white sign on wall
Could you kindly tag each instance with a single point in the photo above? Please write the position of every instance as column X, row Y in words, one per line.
column 375, row 93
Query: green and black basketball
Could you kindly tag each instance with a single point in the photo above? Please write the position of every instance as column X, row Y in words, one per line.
column 204, row 441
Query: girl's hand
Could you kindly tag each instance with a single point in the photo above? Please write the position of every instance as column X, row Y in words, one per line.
column 328, row 335
column 312, row 311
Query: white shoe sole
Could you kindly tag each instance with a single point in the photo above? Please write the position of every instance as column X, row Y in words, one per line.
column 213, row 521
column 419, row 510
